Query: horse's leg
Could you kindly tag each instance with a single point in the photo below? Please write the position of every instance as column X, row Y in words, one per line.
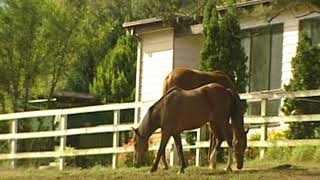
column 228, row 135
column 214, row 153
column 177, row 140
column 161, row 151
column 215, row 143
column 165, row 161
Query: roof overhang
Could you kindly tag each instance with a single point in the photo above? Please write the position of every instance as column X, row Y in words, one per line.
column 144, row 25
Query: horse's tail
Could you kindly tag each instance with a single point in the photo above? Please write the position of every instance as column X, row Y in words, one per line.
column 236, row 109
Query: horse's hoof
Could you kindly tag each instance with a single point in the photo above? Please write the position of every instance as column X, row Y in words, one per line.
column 228, row 169
column 213, row 167
column 181, row 171
column 152, row 170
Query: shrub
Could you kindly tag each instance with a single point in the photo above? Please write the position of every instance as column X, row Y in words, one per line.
column 277, row 135
column 306, row 68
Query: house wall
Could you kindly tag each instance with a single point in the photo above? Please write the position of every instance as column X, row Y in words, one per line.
column 156, row 62
column 187, row 51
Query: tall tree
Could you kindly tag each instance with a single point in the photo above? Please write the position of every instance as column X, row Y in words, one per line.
column 210, row 51
column 233, row 58
column 21, row 53
column 115, row 78
column 222, row 44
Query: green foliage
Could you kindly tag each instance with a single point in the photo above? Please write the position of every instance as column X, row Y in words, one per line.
column 210, row 51
column 294, row 154
column 115, row 77
column 167, row 8
column 306, row 67
column 127, row 160
column 303, row 153
column 222, row 47
column 317, row 154
column 278, row 154
column 255, row 136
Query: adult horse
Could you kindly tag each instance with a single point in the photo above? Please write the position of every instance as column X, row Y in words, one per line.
column 187, row 79
column 181, row 110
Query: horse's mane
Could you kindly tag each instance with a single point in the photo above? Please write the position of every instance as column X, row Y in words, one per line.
column 167, row 93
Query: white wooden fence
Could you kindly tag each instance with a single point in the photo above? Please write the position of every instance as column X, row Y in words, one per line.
column 61, row 115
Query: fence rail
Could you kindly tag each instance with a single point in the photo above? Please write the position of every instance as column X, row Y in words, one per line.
column 61, row 116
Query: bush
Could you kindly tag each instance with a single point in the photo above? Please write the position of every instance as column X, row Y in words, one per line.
column 306, row 68
column 277, row 135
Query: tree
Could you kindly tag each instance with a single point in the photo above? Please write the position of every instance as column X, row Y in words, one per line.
column 210, row 51
column 99, row 30
column 232, row 56
column 305, row 71
column 222, row 44
column 20, row 49
column 115, row 78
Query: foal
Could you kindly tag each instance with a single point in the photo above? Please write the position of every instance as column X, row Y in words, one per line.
column 181, row 110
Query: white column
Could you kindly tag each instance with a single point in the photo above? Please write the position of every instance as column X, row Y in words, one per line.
column 138, row 98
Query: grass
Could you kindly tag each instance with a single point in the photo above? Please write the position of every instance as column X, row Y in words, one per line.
column 302, row 162
column 253, row 170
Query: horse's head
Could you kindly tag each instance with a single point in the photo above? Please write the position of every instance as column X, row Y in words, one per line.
column 140, row 147
column 240, row 146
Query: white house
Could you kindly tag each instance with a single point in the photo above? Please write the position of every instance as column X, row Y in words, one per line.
column 270, row 44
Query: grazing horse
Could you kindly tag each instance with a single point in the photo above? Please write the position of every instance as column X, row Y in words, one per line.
column 187, row 79
column 181, row 110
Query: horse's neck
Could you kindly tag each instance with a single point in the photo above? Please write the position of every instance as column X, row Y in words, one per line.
column 149, row 125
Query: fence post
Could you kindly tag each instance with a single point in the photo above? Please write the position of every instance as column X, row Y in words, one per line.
column 172, row 154
column 63, row 140
column 116, row 121
column 13, row 150
column 197, row 148
column 264, row 127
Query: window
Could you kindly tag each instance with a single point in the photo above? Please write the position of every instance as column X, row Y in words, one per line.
column 263, row 46
column 312, row 28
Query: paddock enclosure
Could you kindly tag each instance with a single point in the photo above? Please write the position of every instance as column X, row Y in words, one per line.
column 62, row 132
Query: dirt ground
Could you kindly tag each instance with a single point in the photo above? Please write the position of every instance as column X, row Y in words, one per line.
column 252, row 170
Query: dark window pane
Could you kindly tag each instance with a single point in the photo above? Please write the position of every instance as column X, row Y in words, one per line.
column 276, row 57
column 259, row 65
column 312, row 29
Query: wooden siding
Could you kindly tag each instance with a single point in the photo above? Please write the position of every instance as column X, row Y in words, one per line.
column 290, row 43
column 187, row 51
column 156, row 63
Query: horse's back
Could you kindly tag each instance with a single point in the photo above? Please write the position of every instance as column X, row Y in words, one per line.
column 189, row 109
column 188, row 79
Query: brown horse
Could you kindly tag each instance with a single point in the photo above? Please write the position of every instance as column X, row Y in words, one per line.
column 187, row 79
column 181, row 110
